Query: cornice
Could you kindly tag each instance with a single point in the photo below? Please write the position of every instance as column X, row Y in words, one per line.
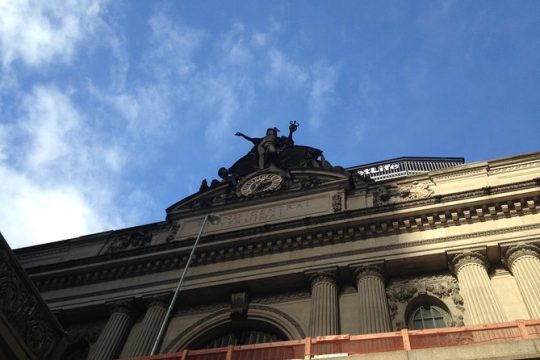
column 513, row 167
column 358, row 252
column 462, row 214
column 171, row 256
column 460, row 171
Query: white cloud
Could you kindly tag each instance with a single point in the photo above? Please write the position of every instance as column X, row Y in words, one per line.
column 322, row 93
column 172, row 47
column 56, row 172
column 147, row 109
column 58, row 139
column 38, row 32
column 284, row 72
column 32, row 213
column 236, row 47
column 50, row 120
column 221, row 96
column 147, row 106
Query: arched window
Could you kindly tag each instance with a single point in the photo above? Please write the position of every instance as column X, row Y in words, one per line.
column 242, row 337
column 429, row 316
column 238, row 333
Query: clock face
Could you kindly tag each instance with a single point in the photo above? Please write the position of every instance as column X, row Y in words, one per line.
column 261, row 183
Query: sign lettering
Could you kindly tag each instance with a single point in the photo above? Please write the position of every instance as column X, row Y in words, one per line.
column 375, row 170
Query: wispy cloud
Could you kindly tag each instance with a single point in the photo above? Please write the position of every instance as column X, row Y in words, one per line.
column 283, row 71
column 322, row 94
column 172, row 47
column 38, row 32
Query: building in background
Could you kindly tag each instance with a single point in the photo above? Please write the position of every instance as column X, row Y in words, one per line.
column 303, row 249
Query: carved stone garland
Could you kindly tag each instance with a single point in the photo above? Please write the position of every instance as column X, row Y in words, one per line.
column 439, row 286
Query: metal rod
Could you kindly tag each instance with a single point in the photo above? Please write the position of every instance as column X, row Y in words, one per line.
column 165, row 322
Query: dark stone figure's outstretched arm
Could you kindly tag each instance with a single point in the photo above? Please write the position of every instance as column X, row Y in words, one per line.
column 254, row 141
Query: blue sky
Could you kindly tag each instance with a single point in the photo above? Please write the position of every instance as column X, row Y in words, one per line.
column 110, row 111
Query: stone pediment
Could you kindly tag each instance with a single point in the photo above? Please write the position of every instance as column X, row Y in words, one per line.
column 251, row 187
column 274, row 167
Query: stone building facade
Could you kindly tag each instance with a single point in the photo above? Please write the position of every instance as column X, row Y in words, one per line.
column 303, row 248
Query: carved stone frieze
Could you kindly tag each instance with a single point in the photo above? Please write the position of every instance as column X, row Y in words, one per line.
column 398, row 193
column 514, row 252
column 130, row 241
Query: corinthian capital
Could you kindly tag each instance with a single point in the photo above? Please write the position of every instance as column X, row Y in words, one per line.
column 365, row 270
column 458, row 260
column 324, row 275
column 161, row 300
column 123, row 306
column 515, row 252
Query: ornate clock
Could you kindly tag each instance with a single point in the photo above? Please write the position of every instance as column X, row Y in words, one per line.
column 261, row 183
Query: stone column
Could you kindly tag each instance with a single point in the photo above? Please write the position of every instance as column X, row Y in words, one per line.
column 114, row 334
column 523, row 261
column 373, row 305
column 470, row 268
column 146, row 333
column 324, row 319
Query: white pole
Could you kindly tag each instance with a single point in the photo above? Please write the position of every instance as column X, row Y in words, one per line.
column 165, row 322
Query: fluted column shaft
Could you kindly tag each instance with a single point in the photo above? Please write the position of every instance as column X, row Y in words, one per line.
column 373, row 305
column 114, row 334
column 324, row 318
column 146, row 333
column 475, row 287
column 523, row 261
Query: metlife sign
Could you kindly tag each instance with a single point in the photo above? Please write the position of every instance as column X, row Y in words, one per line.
column 375, row 170
column 403, row 166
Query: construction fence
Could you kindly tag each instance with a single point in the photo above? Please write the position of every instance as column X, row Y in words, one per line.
column 405, row 339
